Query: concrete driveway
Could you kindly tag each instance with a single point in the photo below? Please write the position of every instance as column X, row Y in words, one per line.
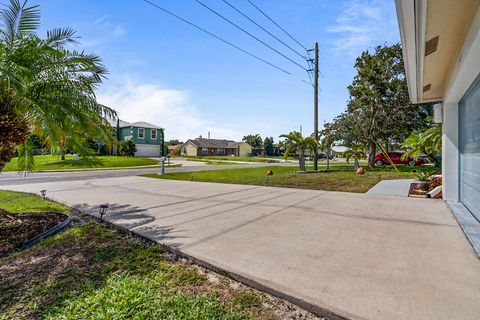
column 358, row 256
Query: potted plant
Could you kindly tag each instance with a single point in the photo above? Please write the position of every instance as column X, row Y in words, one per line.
column 423, row 179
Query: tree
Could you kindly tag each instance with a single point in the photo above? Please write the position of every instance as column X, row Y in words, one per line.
column 428, row 142
column 173, row 142
column 301, row 145
column 118, row 150
column 357, row 153
column 255, row 141
column 268, row 146
column 379, row 109
column 128, row 148
column 325, row 145
column 45, row 87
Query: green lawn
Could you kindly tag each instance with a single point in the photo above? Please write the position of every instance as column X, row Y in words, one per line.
column 48, row 162
column 96, row 272
column 341, row 178
column 17, row 202
column 216, row 158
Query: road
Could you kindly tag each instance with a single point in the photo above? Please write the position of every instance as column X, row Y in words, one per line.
column 13, row 178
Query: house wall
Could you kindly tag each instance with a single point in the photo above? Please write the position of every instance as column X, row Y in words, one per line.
column 465, row 72
column 245, row 150
column 188, row 149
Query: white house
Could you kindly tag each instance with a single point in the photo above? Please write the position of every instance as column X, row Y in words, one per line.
column 441, row 49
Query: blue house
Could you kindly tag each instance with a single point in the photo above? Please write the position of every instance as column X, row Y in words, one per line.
column 148, row 138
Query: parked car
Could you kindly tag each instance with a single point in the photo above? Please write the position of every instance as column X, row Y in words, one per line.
column 323, row 155
column 396, row 158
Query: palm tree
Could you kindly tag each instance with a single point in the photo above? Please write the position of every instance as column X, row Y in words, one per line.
column 45, row 87
column 357, row 153
column 428, row 142
column 301, row 145
column 326, row 144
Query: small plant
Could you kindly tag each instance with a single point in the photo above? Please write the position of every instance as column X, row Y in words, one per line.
column 424, row 179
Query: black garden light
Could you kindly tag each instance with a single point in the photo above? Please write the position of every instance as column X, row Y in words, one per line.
column 103, row 210
column 43, row 193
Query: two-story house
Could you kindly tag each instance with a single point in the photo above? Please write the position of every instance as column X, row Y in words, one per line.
column 148, row 138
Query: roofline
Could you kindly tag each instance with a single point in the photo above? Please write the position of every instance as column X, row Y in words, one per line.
column 411, row 15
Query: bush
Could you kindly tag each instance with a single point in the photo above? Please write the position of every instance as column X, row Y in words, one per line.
column 128, row 148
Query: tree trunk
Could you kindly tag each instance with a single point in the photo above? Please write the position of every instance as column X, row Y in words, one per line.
column 63, row 156
column 301, row 162
column 371, row 155
column 356, row 164
column 13, row 131
column 328, row 159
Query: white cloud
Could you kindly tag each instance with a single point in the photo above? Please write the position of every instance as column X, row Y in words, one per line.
column 167, row 108
column 362, row 23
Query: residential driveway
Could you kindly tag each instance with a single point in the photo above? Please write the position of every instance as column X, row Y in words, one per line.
column 360, row 256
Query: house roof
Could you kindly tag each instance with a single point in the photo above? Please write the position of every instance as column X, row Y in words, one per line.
column 138, row 124
column 214, row 143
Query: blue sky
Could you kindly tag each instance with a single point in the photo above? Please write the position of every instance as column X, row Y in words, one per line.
column 165, row 72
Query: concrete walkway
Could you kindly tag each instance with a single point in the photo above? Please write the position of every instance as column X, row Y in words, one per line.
column 359, row 256
column 399, row 188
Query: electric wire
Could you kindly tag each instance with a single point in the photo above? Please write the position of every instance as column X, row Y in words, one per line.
column 217, row 37
column 248, row 33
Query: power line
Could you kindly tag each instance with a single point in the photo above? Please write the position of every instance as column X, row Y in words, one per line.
column 217, row 37
column 258, row 25
column 288, row 34
column 248, row 33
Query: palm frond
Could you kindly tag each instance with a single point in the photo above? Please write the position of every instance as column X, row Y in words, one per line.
column 26, row 160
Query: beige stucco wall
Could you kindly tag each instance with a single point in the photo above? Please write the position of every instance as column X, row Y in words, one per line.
column 245, row 150
column 190, row 148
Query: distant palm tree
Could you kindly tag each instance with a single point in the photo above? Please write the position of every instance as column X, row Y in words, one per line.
column 301, row 145
column 45, row 87
column 357, row 153
column 326, row 144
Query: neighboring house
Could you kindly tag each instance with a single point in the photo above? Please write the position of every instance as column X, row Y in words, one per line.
column 215, row 147
column 441, row 49
column 148, row 138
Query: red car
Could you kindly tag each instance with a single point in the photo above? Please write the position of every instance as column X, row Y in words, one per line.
column 396, row 158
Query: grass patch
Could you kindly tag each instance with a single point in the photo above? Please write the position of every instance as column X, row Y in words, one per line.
column 48, row 162
column 229, row 158
column 17, row 202
column 340, row 178
column 92, row 272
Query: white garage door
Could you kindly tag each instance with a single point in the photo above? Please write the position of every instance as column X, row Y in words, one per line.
column 469, row 130
column 147, row 150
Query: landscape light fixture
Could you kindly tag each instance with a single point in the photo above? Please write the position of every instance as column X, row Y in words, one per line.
column 103, row 210
column 43, row 193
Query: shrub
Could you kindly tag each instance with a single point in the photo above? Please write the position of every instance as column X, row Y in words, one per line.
column 128, row 148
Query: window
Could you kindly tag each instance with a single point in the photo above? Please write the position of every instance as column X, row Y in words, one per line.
column 153, row 135
column 204, row 150
column 141, row 133
column 220, row 151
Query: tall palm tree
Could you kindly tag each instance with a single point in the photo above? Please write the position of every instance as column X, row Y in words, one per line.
column 301, row 145
column 45, row 87
column 357, row 153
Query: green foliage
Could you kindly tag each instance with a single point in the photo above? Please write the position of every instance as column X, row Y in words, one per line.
column 357, row 153
column 379, row 108
column 268, row 146
column 299, row 144
column 128, row 148
column 428, row 142
column 48, row 86
column 255, row 141
column 26, row 160
column 424, row 176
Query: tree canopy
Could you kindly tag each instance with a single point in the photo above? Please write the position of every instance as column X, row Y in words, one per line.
column 379, row 109
column 255, row 141
column 46, row 87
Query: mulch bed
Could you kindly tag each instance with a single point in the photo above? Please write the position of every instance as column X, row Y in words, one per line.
column 16, row 228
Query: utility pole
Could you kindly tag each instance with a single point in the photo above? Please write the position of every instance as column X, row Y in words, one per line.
column 315, row 105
